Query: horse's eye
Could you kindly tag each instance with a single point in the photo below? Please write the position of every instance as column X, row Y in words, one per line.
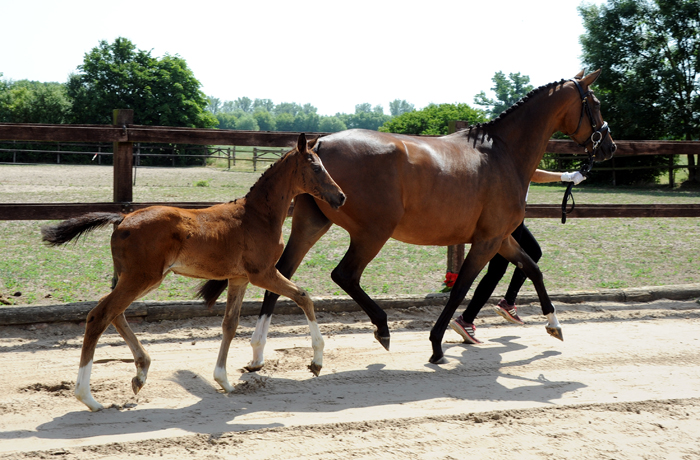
column 317, row 168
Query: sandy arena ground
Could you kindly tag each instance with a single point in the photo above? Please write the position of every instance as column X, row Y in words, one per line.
column 625, row 384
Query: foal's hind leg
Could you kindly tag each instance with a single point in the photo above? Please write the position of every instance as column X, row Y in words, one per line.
column 272, row 280
column 107, row 310
column 308, row 226
column 141, row 358
column 236, row 292
column 512, row 251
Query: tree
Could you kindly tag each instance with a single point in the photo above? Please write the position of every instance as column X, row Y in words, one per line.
column 331, row 125
column 244, row 104
column 214, row 105
column 247, row 123
column 118, row 76
column 398, row 107
column 27, row 101
column 263, row 104
column 650, row 55
column 433, row 120
column 508, row 92
column 265, row 120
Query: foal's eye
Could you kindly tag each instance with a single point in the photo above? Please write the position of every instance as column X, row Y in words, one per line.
column 316, row 168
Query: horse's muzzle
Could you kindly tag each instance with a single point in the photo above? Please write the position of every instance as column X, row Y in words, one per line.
column 338, row 200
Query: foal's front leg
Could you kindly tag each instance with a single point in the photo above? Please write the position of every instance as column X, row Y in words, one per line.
column 236, row 292
column 273, row 281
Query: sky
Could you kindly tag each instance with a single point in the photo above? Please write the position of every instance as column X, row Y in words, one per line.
column 330, row 54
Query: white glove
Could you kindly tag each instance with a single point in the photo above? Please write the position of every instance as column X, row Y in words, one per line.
column 575, row 177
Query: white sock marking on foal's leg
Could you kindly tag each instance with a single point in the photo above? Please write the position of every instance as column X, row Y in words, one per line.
column 317, row 343
column 82, row 388
column 221, row 378
column 258, row 341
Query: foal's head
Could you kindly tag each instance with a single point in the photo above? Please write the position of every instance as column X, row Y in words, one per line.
column 313, row 177
column 586, row 124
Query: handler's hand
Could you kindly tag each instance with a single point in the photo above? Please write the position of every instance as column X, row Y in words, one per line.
column 575, row 177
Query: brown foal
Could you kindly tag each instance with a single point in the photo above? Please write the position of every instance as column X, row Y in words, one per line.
column 238, row 242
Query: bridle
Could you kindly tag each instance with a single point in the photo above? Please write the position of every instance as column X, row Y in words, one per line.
column 597, row 137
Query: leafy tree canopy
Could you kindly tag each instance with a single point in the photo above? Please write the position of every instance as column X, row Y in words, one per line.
column 400, row 106
column 433, row 119
column 508, row 91
column 119, row 76
column 650, row 55
column 27, row 101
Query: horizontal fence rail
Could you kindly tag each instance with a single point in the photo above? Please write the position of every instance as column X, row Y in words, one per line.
column 124, row 135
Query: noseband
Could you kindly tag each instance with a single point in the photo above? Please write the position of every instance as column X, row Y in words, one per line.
column 596, row 138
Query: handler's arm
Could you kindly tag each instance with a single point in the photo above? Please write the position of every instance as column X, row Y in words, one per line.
column 542, row 176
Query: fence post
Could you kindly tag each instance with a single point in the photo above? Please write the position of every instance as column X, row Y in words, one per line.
column 255, row 159
column 455, row 254
column 123, row 158
column 670, row 171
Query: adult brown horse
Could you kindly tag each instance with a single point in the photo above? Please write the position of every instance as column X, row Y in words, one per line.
column 467, row 187
column 237, row 242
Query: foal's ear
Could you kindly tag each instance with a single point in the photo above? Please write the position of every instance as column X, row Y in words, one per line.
column 589, row 79
column 579, row 75
column 301, row 143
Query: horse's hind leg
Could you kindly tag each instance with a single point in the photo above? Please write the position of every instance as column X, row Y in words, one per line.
column 348, row 273
column 141, row 358
column 512, row 251
column 273, row 280
column 107, row 310
column 236, row 292
column 308, row 226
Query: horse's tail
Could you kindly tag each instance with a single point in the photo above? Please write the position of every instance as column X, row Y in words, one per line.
column 210, row 291
column 63, row 232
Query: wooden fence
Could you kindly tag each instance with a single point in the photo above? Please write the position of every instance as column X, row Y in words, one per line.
column 123, row 134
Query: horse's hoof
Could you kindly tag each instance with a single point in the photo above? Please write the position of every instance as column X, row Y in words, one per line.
column 385, row 341
column 253, row 368
column 315, row 369
column 438, row 359
column 555, row 332
column 136, row 385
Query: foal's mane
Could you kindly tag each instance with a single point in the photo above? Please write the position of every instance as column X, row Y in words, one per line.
column 483, row 128
column 264, row 175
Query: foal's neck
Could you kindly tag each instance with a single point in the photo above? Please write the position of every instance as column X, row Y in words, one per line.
column 272, row 194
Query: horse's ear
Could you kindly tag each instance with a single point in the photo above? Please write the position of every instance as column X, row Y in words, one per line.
column 301, row 143
column 589, row 79
column 311, row 142
column 579, row 75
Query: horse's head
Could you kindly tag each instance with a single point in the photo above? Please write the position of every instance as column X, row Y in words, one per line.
column 315, row 180
column 583, row 121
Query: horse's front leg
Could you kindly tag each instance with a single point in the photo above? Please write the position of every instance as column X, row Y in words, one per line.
column 234, row 300
column 273, row 281
column 512, row 251
column 479, row 255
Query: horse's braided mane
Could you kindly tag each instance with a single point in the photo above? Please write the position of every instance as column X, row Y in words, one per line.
column 483, row 127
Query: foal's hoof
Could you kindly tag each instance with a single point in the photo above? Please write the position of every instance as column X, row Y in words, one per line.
column 136, row 385
column 438, row 359
column 385, row 341
column 315, row 369
column 555, row 332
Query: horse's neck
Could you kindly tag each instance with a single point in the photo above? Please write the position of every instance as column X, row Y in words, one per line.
column 272, row 194
column 525, row 132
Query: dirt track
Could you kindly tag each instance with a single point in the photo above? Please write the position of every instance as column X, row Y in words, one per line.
column 624, row 385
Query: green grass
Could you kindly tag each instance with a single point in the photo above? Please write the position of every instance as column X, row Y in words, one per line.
column 583, row 254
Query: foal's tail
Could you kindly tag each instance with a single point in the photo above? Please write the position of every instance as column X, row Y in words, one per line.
column 211, row 290
column 61, row 233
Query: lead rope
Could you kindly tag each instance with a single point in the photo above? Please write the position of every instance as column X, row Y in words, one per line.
column 585, row 170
